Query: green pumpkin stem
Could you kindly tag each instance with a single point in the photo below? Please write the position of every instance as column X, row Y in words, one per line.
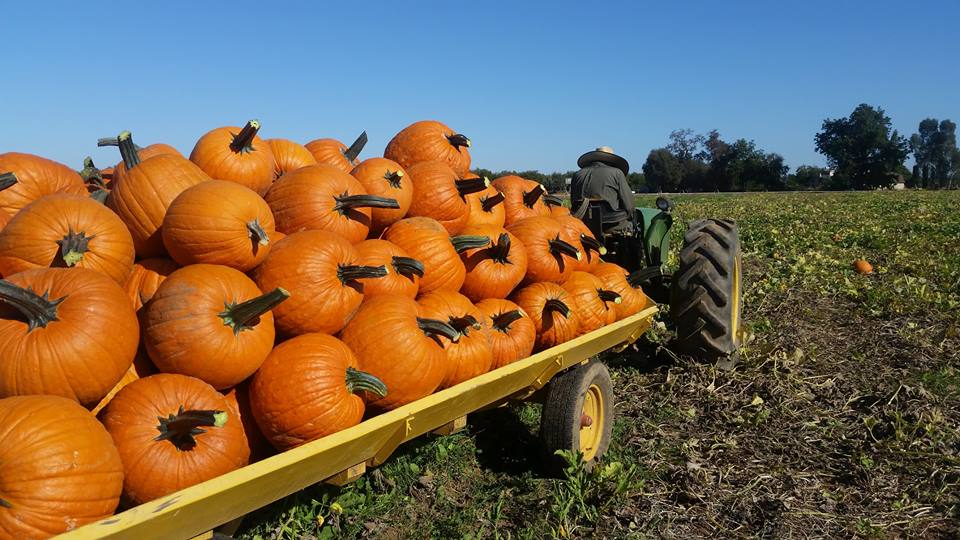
column 353, row 272
column 489, row 203
column 552, row 200
column 590, row 243
column 609, row 296
column 346, row 202
column 359, row 381
column 243, row 141
column 558, row 246
column 393, row 178
column 407, row 266
column 465, row 323
column 7, row 179
column 463, row 243
column 467, row 186
column 459, row 140
column 355, row 148
column 36, row 309
column 503, row 321
column 500, row 252
column 636, row 279
column 128, row 150
column 114, row 141
column 73, row 246
column 90, row 172
column 5, row 504
column 246, row 315
column 530, row 197
column 182, row 428
column 557, row 305
column 256, row 232
column 433, row 327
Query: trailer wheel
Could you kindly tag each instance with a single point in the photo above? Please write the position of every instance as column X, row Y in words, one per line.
column 577, row 415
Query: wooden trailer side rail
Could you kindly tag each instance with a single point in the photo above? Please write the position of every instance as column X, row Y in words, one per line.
column 340, row 457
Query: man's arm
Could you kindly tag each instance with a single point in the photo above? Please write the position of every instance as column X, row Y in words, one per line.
column 626, row 195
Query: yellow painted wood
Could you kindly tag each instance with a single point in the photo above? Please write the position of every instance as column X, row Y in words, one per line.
column 343, row 478
column 458, row 424
column 200, row 508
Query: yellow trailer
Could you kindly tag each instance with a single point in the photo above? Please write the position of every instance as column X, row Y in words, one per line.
column 578, row 400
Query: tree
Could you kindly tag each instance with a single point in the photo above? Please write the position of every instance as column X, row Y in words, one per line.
column 744, row 167
column 662, row 171
column 862, row 148
column 809, row 177
column 935, row 152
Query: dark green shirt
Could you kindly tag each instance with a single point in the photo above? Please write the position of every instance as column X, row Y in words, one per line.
column 601, row 181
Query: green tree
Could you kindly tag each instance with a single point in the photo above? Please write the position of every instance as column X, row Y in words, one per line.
column 935, row 153
column 862, row 148
column 808, row 177
column 662, row 171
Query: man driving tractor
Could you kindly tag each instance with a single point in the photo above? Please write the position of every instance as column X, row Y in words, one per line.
column 603, row 177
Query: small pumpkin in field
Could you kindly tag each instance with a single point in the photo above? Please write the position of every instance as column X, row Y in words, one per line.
column 172, row 432
column 615, row 278
column 25, row 178
column 218, row 222
column 68, row 231
column 76, row 323
column 512, row 333
column 426, row 240
column 210, row 322
column 594, row 303
column 309, row 388
column 495, row 270
column 396, row 344
column 589, row 246
column 335, row 153
column 472, row 352
column 439, row 193
column 403, row 272
column 430, row 140
column 551, row 251
column 324, row 198
column 862, row 267
column 550, row 308
column 486, row 209
column 385, row 178
column 523, row 198
column 238, row 155
column 146, row 276
column 58, row 467
column 289, row 156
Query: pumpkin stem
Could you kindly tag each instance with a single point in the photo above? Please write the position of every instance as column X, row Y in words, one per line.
column 256, row 232
column 500, row 251
column 459, row 140
column 114, row 141
column 355, row 148
column 530, row 197
column 346, row 202
column 503, row 321
column 433, row 327
column 38, row 310
column 558, row 246
column 182, row 428
column 557, row 305
column 352, row 272
column 5, row 504
column 73, row 246
column 359, row 381
column 465, row 323
column 609, row 296
column 637, row 278
column 7, row 179
column 393, row 178
column 590, row 243
column 467, row 186
column 246, row 315
column 407, row 266
column 128, row 150
column 243, row 141
column 90, row 172
column 490, row 202
column 552, row 200
column 463, row 243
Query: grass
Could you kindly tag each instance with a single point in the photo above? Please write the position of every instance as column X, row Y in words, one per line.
column 842, row 418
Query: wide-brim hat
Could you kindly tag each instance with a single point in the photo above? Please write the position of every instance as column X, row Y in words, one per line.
column 604, row 154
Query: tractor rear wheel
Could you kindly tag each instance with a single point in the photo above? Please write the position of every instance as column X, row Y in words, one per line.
column 706, row 293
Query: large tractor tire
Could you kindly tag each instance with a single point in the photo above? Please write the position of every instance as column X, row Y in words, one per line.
column 706, row 293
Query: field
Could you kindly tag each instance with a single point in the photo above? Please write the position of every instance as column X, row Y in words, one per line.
column 841, row 419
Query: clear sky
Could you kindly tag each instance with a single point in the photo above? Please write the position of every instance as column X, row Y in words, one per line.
column 534, row 84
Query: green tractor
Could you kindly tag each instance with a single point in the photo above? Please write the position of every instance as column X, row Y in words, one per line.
column 705, row 293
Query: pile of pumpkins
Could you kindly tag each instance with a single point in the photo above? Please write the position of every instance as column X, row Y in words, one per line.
column 171, row 319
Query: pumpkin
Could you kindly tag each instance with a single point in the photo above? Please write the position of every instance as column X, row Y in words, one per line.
column 403, row 273
column 4, row 219
column 322, row 197
column 321, row 272
column 589, row 246
column 238, row 398
column 335, row 153
column 172, row 432
column 307, row 389
column 141, row 197
column 429, row 140
column 238, row 155
column 495, row 270
column 146, row 276
column 595, row 304
column 67, row 230
column 59, row 469
column 439, row 193
column 140, row 368
column 385, row 178
column 396, row 344
column 555, row 204
column 210, row 322
column 522, row 198
column 66, row 332
column 616, row 279
column 145, row 153
column 551, row 253
column 486, row 209
column 25, row 178
column 512, row 333
column 218, row 222
column 472, row 352
column 862, row 267
column 550, row 308
column 289, row 156
column 427, row 241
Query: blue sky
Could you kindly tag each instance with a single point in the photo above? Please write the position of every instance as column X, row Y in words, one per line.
column 534, row 84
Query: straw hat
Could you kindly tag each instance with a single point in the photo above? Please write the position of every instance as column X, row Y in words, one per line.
column 604, row 154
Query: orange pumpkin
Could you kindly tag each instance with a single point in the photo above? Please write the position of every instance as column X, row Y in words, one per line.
column 321, row 272
column 430, row 140
column 307, row 389
column 66, row 332
column 426, row 240
column 146, row 276
column 616, row 279
column 335, row 153
column 486, row 209
column 172, row 432
column 289, row 156
column 512, row 333
column 522, row 198
column 59, row 469
column 440, row 194
column 550, row 309
column 218, row 222
column 145, row 153
column 210, row 322
column 555, row 204
column 67, row 230
column 140, row 368
column 862, row 267
column 495, row 270
column 25, row 178
column 595, row 304
column 396, row 344
column 472, row 352
column 589, row 246
column 551, row 251
column 403, row 273
column 238, row 398
column 238, row 155
column 3, row 220
column 324, row 198
column 385, row 178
